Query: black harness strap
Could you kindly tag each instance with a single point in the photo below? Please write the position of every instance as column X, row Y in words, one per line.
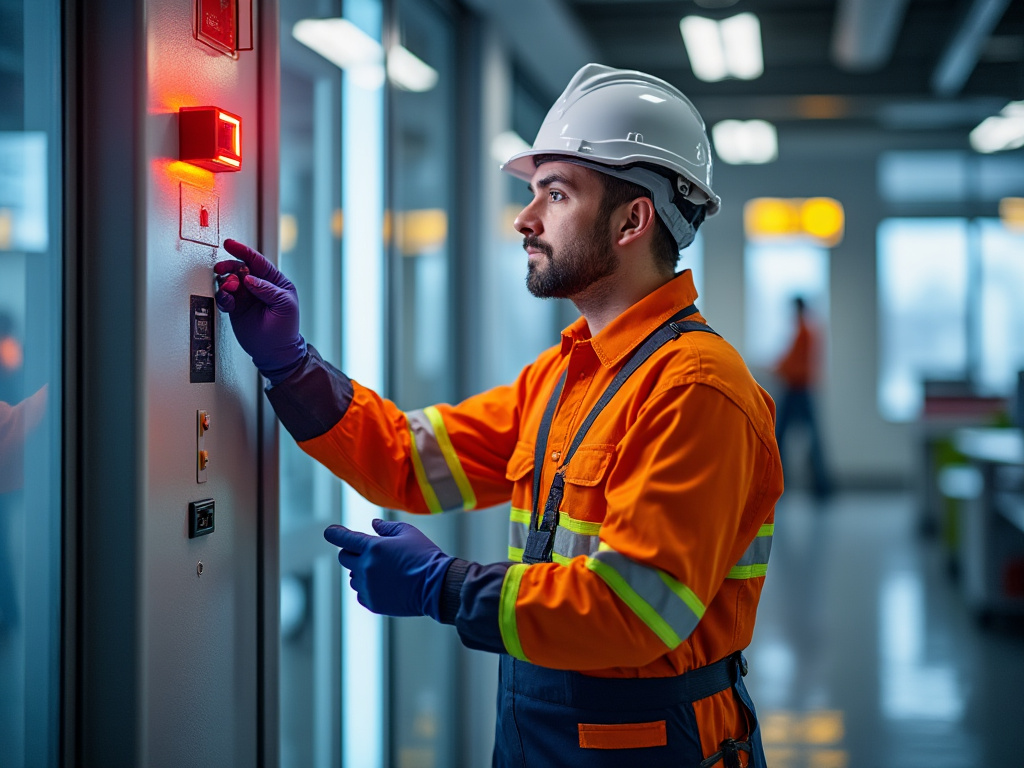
column 541, row 539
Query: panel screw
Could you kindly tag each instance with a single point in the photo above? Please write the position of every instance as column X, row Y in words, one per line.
column 199, row 568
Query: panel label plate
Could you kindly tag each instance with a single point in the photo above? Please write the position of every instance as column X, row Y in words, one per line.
column 202, row 357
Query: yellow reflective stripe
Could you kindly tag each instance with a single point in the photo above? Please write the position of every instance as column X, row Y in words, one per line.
column 684, row 593
column 637, row 604
column 421, row 477
column 507, row 611
column 584, row 527
column 451, row 458
column 519, row 515
column 515, row 554
column 747, row 571
column 754, row 562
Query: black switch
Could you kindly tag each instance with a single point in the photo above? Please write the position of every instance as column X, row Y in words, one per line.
column 200, row 518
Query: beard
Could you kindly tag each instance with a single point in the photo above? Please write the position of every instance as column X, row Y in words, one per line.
column 580, row 263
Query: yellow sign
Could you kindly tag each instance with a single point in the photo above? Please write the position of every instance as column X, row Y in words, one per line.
column 818, row 218
column 1011, row 211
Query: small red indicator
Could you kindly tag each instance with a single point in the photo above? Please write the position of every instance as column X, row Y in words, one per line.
column 210, row 137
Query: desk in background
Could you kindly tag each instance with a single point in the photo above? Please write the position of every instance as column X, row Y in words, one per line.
column 992, row 536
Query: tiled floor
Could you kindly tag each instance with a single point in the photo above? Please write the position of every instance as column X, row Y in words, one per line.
column 865, row 655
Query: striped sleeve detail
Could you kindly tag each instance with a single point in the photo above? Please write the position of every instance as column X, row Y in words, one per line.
column 438, row 470
column 572, row 537
column 507, row 611
column 754, row 562
column 668, row 607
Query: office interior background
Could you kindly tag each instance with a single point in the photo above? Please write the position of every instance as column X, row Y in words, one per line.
column 869, row 160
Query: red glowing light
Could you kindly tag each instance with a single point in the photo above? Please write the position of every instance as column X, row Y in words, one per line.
column 210, row 137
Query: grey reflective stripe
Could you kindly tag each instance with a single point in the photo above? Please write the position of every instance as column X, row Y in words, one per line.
column 758, row 551
column 669, row 608
column 754, row 562
column 436, row 473
column 570, row 544
column 572, row 537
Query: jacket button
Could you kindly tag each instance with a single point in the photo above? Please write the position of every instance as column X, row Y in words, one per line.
column 556, row 455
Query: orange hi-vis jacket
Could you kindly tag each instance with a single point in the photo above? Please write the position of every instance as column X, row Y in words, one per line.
column 798, row 368
column 666, row 521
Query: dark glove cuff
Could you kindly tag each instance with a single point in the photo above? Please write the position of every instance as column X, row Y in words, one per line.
column 283, row 369
column 451, row 591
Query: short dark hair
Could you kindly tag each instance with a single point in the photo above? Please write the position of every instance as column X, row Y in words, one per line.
column 664, row 247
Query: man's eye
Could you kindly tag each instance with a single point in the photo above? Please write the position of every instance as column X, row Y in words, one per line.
column 556, row 195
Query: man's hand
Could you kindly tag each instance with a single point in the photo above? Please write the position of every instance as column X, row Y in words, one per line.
column 400, row 572
column 264, row 310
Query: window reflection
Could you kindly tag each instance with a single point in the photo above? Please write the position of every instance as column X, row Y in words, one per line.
column 912, row 688
column 922, row 309
column 1000, row 332
column 422, row 313
column 31, row 292
column 776, row 273
column 311, row 227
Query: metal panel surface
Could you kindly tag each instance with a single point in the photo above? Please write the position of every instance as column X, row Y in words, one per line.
column 199, row 626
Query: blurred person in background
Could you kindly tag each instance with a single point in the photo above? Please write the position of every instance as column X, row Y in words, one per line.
column 799, row 370
column 17, row 419
column 635, row 562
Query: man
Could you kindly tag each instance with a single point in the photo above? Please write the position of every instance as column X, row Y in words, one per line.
column 640, row 527
column 798, row 371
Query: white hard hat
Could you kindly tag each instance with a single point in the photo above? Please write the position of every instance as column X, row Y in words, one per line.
column 618, row 121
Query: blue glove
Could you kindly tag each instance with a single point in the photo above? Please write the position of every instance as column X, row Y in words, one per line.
column 400, row 572
column 264, row 310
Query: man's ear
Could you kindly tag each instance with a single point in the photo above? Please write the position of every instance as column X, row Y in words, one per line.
column 636, row 219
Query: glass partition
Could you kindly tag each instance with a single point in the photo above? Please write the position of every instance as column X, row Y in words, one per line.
column 422, row 705
column 31, row 296
column 310, row 496
column 922, row 309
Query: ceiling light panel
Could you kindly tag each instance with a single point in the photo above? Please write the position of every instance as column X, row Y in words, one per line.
column 1000, row 132
column 721, row 49
column 745, row 141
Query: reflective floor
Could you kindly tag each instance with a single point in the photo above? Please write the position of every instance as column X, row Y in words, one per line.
column 865, row 655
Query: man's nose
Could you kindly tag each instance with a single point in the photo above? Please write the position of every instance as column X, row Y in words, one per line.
column 527, row 222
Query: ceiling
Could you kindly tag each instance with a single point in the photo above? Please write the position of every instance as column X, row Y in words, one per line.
column 939, row 66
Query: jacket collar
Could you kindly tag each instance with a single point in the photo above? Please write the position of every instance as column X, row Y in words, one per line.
column 627, row 331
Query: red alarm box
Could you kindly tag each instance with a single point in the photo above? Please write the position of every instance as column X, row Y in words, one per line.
column 210, row 137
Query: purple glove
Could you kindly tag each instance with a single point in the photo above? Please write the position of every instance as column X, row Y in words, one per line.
column 398, row 573
column 264, row 310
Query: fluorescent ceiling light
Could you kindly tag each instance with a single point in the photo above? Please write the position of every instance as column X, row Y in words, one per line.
column 507, row 144
column 745, row 141
column 727, row 48
column 1002, row 131
column 345, row 45
column 409, row 72
column 339, row 41
column 704, row 47
column 741, row 38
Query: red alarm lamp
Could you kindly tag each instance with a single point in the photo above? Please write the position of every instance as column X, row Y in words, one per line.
column 210, row 137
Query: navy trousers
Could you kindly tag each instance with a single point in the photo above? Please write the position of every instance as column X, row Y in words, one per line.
column 557, row 719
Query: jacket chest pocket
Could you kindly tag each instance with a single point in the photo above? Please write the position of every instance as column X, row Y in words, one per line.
column 583, row 501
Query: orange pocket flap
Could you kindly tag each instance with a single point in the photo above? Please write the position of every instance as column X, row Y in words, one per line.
column 521, row 462
column 623, row 735
column 589, row 465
